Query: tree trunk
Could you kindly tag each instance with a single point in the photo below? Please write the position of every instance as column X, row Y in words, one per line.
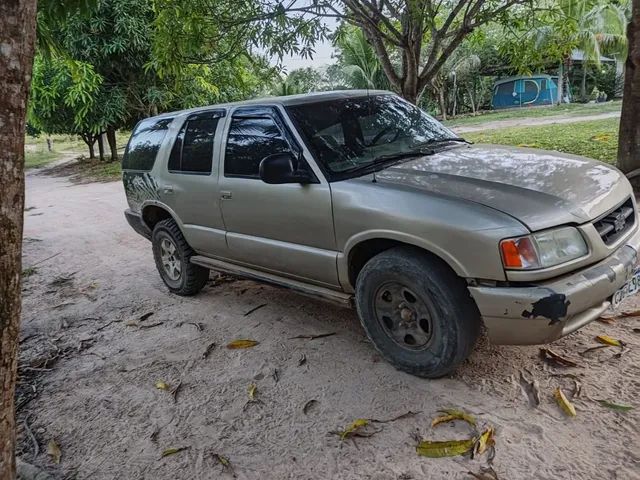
column 17, row 39
column 629, row 138
column 583, row 85
column 560, row 82
column 101, row 147
column 472, row 100
column 90, row 140
column 111, row 138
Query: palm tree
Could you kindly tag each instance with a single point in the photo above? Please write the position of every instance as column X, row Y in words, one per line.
column 359, row 61
column 593, row 26
column 285, row 87
column 601, row 30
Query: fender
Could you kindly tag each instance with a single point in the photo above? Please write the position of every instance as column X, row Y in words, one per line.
column 343, row 257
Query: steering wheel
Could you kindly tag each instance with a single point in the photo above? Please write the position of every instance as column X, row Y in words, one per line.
column 382, row 132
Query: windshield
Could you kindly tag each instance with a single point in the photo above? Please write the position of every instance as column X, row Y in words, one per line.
column 350, row 134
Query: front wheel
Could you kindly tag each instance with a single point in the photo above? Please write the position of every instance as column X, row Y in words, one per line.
column 417, row 313
column 172, row 255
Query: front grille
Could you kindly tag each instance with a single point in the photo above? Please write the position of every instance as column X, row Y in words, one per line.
column 616, row 223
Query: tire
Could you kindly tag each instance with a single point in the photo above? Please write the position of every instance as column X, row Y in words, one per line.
column 417, row 313
column 177, row 272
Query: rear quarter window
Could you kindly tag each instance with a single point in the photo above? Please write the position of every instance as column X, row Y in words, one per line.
column 144, row 144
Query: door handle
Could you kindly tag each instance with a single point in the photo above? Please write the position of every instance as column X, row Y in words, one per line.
column 167, row 189
column 225, row 195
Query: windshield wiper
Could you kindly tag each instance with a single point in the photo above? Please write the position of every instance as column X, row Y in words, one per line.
column 391, row 159
column 444, row 140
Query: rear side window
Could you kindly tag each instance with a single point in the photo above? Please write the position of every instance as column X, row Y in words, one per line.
column 144, row 144
column 192, row 151
column 250, row 140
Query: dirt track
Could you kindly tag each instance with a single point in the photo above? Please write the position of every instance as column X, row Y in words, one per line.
column 533, row 122
column 96, row 395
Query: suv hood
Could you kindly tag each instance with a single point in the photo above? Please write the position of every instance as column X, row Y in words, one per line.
column 539, row 188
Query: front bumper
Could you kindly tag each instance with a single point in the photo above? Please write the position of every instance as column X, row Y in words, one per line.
column 135, row 220
column 548, row 310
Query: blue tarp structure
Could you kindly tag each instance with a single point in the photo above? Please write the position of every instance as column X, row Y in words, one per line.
column 525, row 91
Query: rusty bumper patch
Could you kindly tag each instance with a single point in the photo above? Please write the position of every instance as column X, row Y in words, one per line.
column 546, row 311
column 554, row 307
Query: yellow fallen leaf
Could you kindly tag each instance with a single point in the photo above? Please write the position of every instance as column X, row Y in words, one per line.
column 171, row 451
column 450, row 448
column 353, row 428
column 54, row 451
column 242, row 343
column 564, row 403
column 160, row 385
column 253, row 388
column 452, row 414
column 615, row 406
column 606, row 340
column 485, row 441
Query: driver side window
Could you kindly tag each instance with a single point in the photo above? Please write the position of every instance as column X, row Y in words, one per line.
column 251, row 139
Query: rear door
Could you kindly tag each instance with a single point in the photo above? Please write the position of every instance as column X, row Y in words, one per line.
column 189, row 182
column 286, row 229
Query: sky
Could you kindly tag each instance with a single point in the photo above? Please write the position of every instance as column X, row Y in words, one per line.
column 322, row 55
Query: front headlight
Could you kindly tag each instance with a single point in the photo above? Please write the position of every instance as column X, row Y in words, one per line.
column 543, row 249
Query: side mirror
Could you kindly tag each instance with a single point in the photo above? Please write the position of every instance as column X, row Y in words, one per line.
column 278, row 168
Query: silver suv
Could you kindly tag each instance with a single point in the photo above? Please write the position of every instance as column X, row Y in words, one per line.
column 361, row 198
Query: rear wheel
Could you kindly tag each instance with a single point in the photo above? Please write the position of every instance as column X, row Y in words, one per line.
column 172, row 255
column 416, row 311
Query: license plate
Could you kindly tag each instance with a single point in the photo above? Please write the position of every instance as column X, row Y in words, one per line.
column 628, row 289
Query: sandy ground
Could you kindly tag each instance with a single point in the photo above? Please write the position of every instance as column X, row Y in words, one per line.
column 88, row 375
column 532, row 122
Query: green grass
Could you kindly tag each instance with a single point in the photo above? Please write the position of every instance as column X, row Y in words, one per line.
column 38, row 155
column 571, row 109
column 594, row 139
column 103, row 171
column 39, row 158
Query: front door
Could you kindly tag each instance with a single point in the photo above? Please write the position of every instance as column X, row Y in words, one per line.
column 189, row 182
column 285, row 229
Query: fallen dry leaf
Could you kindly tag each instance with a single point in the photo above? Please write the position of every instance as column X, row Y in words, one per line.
column 620, row 407
column 633, row 313
column 255, row 309
column 399, row 417
column 174, row 391
column 552, row 357
column 485, row 440
column 359, row 428
column 208, row 350
column 242, row 343
column 530, row 388
column 452, row 414
column 449, row 448
column 606, row 340
column 225, row 462
column 313, row 337
column 54, row 451
column 171, row 451
column 564, row 403
column 592, row 349
column 486, row 473
column 607, row 320
column 302, row 360
column 253, row 389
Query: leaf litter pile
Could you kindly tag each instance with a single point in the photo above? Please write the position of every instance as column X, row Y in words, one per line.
column 481, row 439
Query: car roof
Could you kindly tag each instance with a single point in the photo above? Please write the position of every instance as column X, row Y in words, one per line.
column 285, row 101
